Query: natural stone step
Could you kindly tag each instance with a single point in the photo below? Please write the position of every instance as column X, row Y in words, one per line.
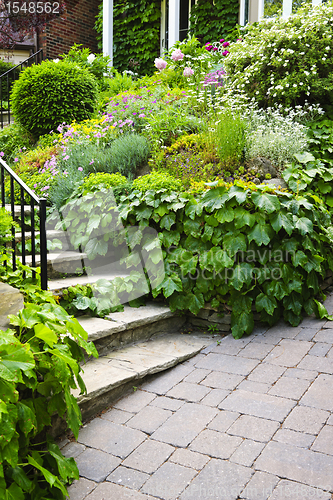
column 132, row 325
column 11, row 302
column 60, row 263
column 58, row 285
column 111, row 375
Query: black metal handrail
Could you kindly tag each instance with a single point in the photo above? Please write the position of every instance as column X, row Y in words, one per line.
column 34, row 203
column 9, row 77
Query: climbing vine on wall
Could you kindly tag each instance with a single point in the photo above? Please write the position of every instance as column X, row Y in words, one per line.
column 136, row 34
column 211, row 20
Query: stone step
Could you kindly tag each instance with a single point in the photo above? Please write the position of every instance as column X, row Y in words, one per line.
column 112, row 375
column 131, row 325
column 59, row 263
column 11, row 302
column 51, row 235
column 58, row 285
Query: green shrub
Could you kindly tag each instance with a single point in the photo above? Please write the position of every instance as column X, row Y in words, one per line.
column 100, row 180
column 4, row 67
column 119, row 83
column 39, row 367
column 97, row 64
column 230, row 140
column 13, row 139
column 51, row 93
column 157, row 181
column 129, row 152
column 285, row 61
column 6, row 223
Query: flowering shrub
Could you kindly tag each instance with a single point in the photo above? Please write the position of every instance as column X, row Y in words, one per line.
column 215, row 78
column 275, row 136
column 286, row 61
column 160, row 63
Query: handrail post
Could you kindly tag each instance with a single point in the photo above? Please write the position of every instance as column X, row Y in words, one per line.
column 43, row 244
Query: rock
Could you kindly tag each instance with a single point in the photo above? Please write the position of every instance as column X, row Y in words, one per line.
column 264, row 165
column 256, row 180
column 277, row 183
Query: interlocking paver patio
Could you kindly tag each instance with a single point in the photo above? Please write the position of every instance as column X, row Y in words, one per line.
column 242, row 420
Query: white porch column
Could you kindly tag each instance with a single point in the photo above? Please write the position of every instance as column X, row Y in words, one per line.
column 241, row 18
column 287, row 8
column 108, row 29
column 261, row 7
column 173, row 22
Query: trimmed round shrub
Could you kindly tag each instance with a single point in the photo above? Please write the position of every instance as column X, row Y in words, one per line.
column 285, row 61
column 99, row 180
column 51, row 93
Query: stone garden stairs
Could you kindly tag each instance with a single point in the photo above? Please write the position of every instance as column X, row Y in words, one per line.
column 132, row 344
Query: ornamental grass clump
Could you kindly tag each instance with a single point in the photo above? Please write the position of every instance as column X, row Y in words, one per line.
column 230, row 139
column 285, row 61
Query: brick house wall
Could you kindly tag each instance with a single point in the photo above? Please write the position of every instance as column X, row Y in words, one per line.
column 60, row 35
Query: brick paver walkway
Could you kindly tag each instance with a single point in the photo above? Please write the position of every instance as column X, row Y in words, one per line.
column 244, row 419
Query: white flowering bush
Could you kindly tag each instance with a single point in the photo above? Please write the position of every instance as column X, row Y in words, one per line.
column 275, row 136
column 285, row 61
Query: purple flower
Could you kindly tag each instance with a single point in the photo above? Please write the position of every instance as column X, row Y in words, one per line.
column 16, row 159
column 80, row 169
column 222, row 40
column 225, row 44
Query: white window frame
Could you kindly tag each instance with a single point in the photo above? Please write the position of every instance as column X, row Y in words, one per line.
column 287, row 6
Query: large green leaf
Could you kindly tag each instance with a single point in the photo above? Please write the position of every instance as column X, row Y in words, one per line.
column 261, row 234
column 46, row 334
column 168, row 221
column 193, row 227
column 280, row 220
column 170, row 285
column 266, row 302
column 215, row 198
column 241, row 274
column 66, row 466
column 304, row 225
column 48, row 476
column 243, row 218
column 267, row 202
column 225, row 214
column 233, row 243
column 96, row 247
column 193, row 208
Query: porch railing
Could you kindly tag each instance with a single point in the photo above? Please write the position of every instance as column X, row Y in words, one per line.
column 6, row 82
column 19, row 212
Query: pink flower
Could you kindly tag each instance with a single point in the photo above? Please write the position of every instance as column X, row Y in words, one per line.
column 177, row 55
column 81, row 169
column 16, row 159
column 226, row 44
column 225, row 53
column 222, row 40
column 142, row 115
column 160, row 63
column 66, row 157
column 92, row 161
column 65, row 172
column 188, row 72
column 2, row 154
